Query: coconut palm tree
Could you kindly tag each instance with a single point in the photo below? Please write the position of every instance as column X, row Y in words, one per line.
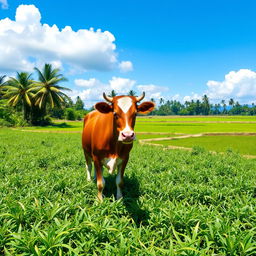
column 2, row 78
column 47, row 90
column 112, row 93
column 132, row 93
column 19, row 91
column 161, row 101
column 231, row 102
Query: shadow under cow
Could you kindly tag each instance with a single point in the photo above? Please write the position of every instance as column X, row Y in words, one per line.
column 131, row 194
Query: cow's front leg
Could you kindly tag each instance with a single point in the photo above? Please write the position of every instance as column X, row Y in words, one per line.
column 99, row 177
column 120, row 179
column 88, row 161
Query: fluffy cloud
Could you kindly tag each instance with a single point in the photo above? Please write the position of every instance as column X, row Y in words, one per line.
column 121, row 85
column 153, row 91
column 26, row 42
column 240, row 85
column 93, row 89
column 4, row 4
column 92, row 82
column 193, row 96
column 125, row 66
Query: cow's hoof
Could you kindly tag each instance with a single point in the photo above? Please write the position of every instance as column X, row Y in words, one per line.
column 119, row 196
column 100, row 197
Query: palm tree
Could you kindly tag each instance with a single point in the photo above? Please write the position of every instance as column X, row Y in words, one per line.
column 48, row 92
column 19, row 91
column 224, row 106
column 112, row 93
column 1, row 85
column 132, row 93
column 161, row 101
column 231, row 102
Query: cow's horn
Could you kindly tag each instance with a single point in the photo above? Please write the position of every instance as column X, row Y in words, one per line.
column 139, row 98
column 107, row 98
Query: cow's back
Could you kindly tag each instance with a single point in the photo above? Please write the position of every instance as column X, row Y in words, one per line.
column 97, row 132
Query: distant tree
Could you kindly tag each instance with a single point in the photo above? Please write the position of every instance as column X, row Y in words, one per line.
column 132, row 93
column 198, row 107
column 79, row 105
column 112, row 93
column 205, row 105
column 161, row 101
column 153, row 100
column 231, row 102
column 19, row 91
column 224, row 106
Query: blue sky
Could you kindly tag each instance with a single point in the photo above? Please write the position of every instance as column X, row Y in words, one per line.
column 173, row 49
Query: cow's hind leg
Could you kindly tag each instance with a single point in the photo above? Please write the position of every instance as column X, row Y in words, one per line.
column 99, row 176
column 120, row 178
column 88, row 161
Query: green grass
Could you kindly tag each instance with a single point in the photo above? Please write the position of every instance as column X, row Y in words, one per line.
column 241, row 144
column 193, row 128
column 155, row 126
column 197, row 118
column 176, row 202
column 152, row 136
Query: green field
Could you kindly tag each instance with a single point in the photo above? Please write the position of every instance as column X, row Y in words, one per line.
column 193, row 128
column 198, row 118
column 175, row 202
column 170, row 126
column 241, row 144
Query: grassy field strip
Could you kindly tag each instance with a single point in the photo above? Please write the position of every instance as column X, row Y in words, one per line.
column 164, row 142
column 204, row 122
column 147, row 142
column 196, row 118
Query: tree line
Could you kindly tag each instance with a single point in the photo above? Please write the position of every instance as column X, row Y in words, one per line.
column 204, row 107
column 26, row 101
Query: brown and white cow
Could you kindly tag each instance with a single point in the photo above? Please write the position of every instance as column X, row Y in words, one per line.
column 108, row 136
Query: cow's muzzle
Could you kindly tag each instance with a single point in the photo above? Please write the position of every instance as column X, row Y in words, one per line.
column 127, row 137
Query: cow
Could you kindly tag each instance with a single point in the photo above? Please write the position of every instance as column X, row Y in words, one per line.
column 108, row 136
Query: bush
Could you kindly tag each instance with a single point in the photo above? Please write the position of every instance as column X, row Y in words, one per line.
column 70, row 114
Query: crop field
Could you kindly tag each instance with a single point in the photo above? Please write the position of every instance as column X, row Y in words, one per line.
column 151, row 127
column 241, row 144
column 175, row 202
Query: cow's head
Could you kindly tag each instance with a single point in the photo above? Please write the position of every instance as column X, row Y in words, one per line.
column 124, row 110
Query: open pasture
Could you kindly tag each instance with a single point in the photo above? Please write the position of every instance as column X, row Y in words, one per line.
column 151, row 127
column 221, row 143
column 176, row 202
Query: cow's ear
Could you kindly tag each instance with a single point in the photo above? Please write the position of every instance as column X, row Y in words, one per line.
column 146, row 107
column 103, row 107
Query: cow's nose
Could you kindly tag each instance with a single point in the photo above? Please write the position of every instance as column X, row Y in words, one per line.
column 128, row 135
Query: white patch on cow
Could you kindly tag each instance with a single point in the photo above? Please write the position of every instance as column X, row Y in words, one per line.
column 124, row 103
column 111, row 163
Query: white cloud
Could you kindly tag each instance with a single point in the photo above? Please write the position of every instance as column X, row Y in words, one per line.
column 193, row 96
column 121, row 85
column 240, row 85
column 92, row 82
column 125, row 66
column 94, row 89
column 153, row 91
column 25, row 42
column 4, row 4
